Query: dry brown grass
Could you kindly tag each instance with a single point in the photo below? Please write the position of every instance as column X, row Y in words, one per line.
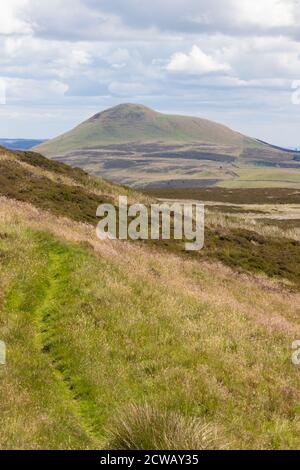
column 253, row 222
column 219, row 285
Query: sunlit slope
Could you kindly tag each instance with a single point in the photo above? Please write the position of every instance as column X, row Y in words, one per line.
column 30, row 177
column 136, row 123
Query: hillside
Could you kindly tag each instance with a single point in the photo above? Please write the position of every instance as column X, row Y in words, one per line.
column 129, row 345
column 134, row 145
column 30, row 177
column 127, row 123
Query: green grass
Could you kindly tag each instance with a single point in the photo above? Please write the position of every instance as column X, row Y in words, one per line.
column 36, row 403
column 87, row 337
column 264, row 177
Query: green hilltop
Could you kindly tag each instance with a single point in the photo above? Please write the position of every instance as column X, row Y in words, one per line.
column 137, row 123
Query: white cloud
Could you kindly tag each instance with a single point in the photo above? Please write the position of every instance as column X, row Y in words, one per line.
column 127, row 89
column 29, row 90
column 266, row 13
column 10, row 20
column 191, row 56
column 79, row 57
column 236, row 17
column 196, row 61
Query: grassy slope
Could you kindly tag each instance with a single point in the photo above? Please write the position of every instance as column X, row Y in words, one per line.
column 92, row 327
column 89, row 332
column 30, row 177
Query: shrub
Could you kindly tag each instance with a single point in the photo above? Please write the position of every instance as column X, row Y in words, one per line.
column 143, row 427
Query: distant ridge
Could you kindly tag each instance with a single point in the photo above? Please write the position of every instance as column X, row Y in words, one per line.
column 283, row 149
column 21, row 144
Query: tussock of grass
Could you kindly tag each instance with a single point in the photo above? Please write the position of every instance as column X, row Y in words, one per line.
column 146, row 427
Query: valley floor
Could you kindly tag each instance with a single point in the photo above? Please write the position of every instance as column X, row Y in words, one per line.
column 98, row 332
column 150, row 166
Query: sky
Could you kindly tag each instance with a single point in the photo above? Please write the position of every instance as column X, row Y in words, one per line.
column 233, row 61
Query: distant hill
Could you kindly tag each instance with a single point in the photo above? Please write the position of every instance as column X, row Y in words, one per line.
column 137, row 146
column 21, row 144
column 137, row 123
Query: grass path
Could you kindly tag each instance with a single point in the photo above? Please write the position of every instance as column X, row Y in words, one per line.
column 36, row 298
column 47, row 316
